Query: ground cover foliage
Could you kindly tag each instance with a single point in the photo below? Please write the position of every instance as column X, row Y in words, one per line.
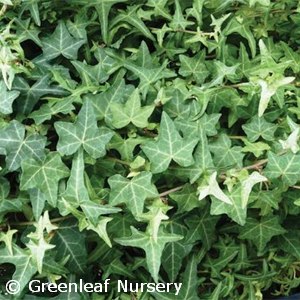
column 154, row 141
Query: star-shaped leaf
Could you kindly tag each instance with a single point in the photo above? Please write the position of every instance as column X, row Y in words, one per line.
column 261, row 231
column 285, row 167
column 84, row 132
column 202, row 227
column 31, row 94
column 194, row 67
column 61, row 43
column 131, row 112
column 44, row 175
column 18, row 147
column 152, row 248
column 226, row 156
column 132, row 192
column 259, row 127
column 169, row 145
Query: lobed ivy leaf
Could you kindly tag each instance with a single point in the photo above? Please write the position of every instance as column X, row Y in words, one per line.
column 152, row 248
column 131, row 112
column 132, row 192
column 169, row 145
column 84, row 132
column 19, row 147
column 44, row 175
column 264, row 230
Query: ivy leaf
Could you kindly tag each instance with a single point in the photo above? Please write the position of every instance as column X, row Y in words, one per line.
column 29, row 95
column 211, row 187
column 241, row 26
column 125, row 146
column 226, row 156
column 70, row 243
column 203, row 161
column 76, row 189
column 186, row 199
column 84, row 132
column 235, row 211
column 32, row 6
column 149, row 76
column 18, row 147
column 38, row 249
column 100, row 229
column 44, row 175
column 25, row 31
column 256, row 148
column 131, row 112
column 248, row 184
column 46, row 111
column 259, row 127
column 202, row 227
column 6, row 99
column 175, row 252
column 132, row 192
column 268, row 90
column 261, row 231
column 285, row 167
column 22, row 260
column 116, row 93
column 169, row 145
column 130, row 16
column 152, row 248
column 61, row 43
column 290, row 243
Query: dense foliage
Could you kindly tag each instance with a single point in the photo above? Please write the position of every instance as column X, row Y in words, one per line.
column 151, row 140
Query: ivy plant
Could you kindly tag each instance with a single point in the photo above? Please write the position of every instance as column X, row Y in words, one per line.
column 150, row 141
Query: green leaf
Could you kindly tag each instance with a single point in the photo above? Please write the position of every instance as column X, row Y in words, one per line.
column 261, row 231
column 132, row 192
column 18, row 147
column 186, row 199
column 61, row 43
column 169, row 145
column 6, row 99
column 242, row 27
column 29, row 95
column 131, row 112
column 226, row 156
column 76, row 190
column 44, row 175
column 259, row 127
column 152, row 248
column 268, row 89
column 22, row 260
column 194, row 67
column 290, row 243
column 48, row 110
column 211, row 187
column 70, row 243
column 236, row 211
column 174, row 253
column 130, row 16
column 202, row 227
column 84, row 132
column 285, row 167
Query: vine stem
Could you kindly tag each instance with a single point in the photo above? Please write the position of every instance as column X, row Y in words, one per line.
column 28, row 223
column 166, row 193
